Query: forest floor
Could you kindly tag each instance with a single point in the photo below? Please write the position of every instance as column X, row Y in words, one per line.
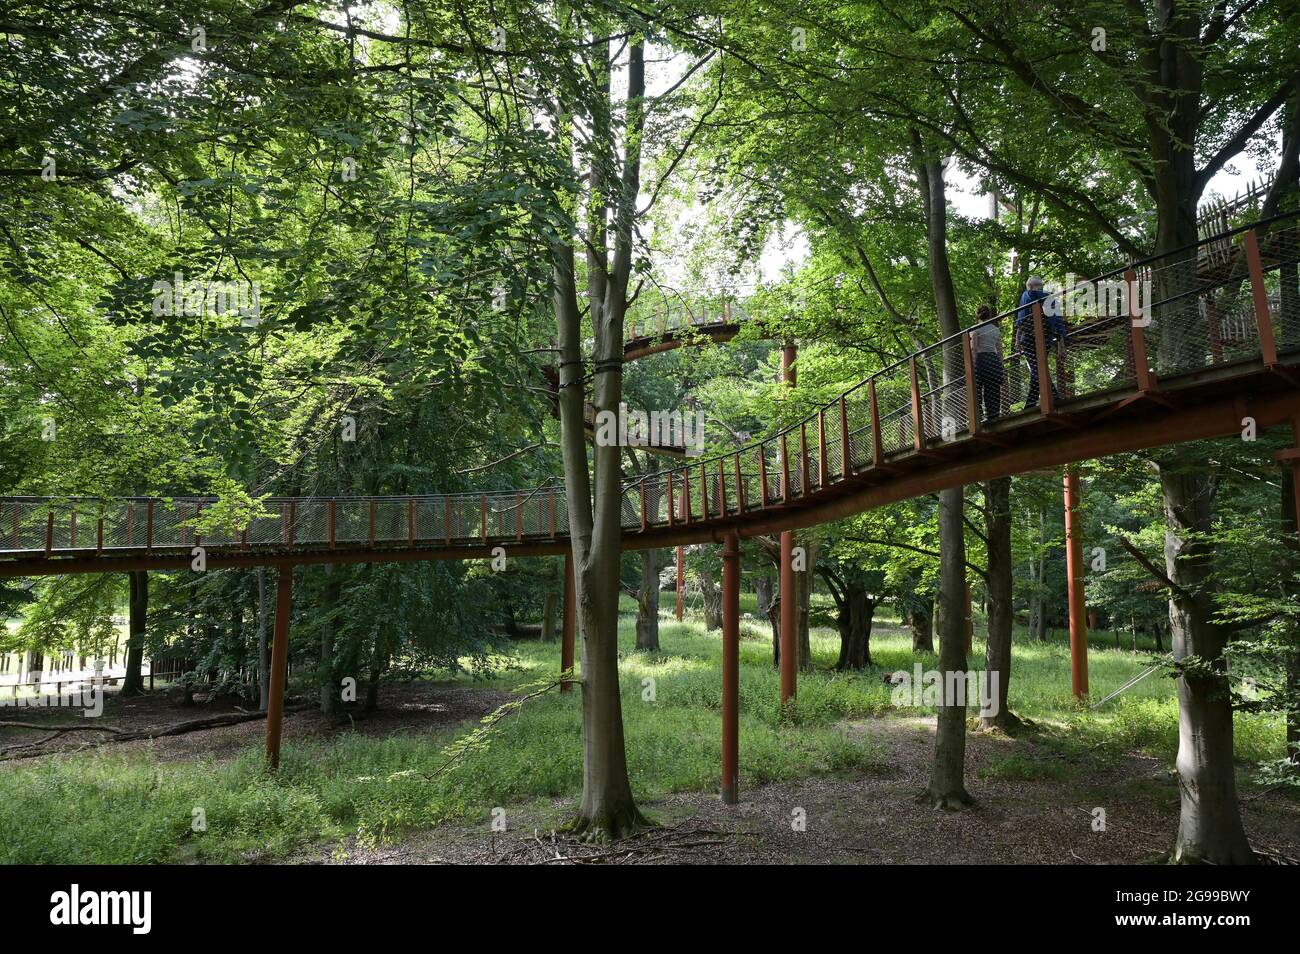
column 872, row 817
column 834, row 784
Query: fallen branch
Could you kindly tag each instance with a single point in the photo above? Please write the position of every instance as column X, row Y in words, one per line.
column 26, row 750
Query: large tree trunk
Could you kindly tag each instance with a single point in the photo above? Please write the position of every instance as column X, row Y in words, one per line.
column 997, row 664
column 947, row 788
column 854, row 622
column 133, row 682
column 607, row 809
column 1209, row 828
column 647, row 603
column 920, row 620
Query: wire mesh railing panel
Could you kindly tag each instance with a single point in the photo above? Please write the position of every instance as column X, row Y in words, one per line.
column 894, row 401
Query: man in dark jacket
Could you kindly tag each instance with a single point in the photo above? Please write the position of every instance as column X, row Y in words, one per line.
column 1054, row 333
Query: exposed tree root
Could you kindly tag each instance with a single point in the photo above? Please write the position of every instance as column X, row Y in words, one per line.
column 1008, row 723
column 948, row 801
column 607, row 827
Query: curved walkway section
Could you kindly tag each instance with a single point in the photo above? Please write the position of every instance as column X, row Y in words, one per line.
column 1174, row 348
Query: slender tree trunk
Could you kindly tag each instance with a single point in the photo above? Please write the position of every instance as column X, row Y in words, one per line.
column 133, row 682
column 607, row 809
column 997, row 665
column 947, row 788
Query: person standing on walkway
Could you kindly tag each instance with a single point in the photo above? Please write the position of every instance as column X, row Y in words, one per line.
column 990, row 373
column 1054, row 333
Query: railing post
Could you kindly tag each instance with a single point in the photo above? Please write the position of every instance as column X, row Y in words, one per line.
column 1146, row 380
column 372, row 524
column 762, row 477
column 972, row 401
column 72, row 529
column 330, row 514
column 740, row 486
column 672, row 502
column 49, row 531
column 482, row 517
column 686, row 496
column 1216, row 331
column 1259, row 292
column 643, row 513
column 918, row 413
column 148, row 526
column 1046, row 399
column 553, row 513
column 293, row 521
column 130, row 526
column 704, row 492
column 519, row 516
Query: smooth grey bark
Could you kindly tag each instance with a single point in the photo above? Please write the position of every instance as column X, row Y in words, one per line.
column 1209, row 827
column 607, row 809
column 763, row 594
column 133, row 681
column 947, row 787
column 998, row 583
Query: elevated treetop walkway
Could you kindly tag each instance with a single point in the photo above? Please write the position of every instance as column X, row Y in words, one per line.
column 1206, row 337
column 1204, row 340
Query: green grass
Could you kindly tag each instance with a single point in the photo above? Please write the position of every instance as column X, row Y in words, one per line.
column 108, row 806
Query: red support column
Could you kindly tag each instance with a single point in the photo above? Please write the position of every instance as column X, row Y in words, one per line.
column 1075, row 581
column 570, row 620
column 279, row 666
column 730, row 667
column 681, row 583
column 789, row 647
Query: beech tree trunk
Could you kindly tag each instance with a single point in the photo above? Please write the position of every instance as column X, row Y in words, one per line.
column 133, row 682
column 712, row 593
column 947, row 788
column 1209, row 827
column 920, row 619
column 997, row 660
column 607, row 809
